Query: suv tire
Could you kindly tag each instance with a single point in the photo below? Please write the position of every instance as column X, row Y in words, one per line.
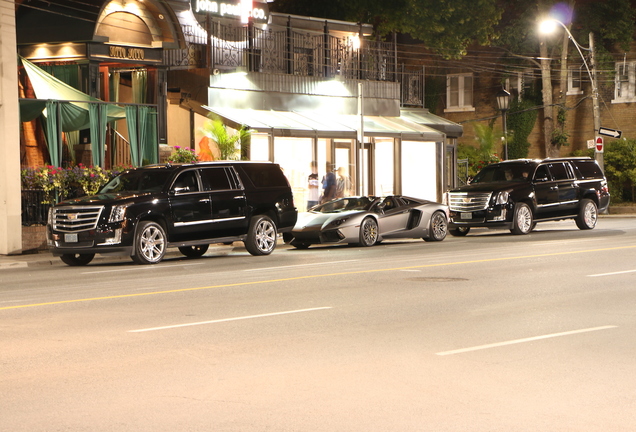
column 588, row 215
column 261, row 237
column 150, row 243
column 522, row 220
column 194, row 251
column 461, row 231
column 77, row 259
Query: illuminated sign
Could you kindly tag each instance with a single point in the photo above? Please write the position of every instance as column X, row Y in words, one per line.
column 126, row 53
column 242, row 9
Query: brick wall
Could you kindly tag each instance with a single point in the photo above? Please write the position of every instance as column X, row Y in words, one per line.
column 34, row 238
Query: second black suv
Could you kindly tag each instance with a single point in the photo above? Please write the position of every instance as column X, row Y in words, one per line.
column 517, row 194
column 145, row 210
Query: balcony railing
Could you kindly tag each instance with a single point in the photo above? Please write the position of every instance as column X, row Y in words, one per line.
column 296, row 53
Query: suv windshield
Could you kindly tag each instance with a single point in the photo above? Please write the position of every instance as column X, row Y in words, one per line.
column 137, row 181
column 345, row 204
column 503, row 173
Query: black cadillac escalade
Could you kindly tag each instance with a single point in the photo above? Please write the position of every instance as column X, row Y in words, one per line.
column 146, row 210
column 517, row 194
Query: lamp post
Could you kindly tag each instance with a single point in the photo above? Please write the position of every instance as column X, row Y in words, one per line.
column 503, row 103
column 548, row 26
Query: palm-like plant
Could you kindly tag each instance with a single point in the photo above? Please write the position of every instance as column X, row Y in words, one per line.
column 231, row 147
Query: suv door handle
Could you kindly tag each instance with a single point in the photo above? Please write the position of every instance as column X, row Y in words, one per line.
column 204, row 200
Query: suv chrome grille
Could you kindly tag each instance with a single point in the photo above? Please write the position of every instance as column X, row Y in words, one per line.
column 76, row 218
column 468, row 201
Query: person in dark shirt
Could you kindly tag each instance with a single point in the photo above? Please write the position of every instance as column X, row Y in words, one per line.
column 329, row 184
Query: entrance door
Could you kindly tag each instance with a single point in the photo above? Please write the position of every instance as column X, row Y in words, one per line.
column 344, row 163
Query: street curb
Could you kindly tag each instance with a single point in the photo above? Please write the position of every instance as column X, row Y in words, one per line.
column 45, row 258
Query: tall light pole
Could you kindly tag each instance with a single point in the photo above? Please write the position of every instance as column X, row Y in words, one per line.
column 503, row 103
column 548, row 26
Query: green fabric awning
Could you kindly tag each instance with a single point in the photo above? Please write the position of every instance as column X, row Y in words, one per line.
column 47, row 87
column 67, row 109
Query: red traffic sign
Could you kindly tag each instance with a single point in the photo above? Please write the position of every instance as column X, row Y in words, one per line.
column 599, row 144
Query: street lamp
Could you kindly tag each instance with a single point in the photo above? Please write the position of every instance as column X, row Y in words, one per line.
column 548, row 26
column 503, row 103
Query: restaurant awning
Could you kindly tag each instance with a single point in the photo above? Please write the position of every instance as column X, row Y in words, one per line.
column 424, row 117
column 48, row 87
column 324, row 125
column 67, row 109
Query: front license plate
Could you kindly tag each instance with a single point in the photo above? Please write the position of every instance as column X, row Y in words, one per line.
column 466, row 216
column 70, row 238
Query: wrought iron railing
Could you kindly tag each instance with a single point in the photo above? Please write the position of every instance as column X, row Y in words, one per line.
column 292, row 52
column 34, row 210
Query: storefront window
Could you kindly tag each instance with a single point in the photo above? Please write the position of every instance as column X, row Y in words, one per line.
column 384, row 167
column 294, row 155
column 259, row 147
column 345, row 168
column 419, row 176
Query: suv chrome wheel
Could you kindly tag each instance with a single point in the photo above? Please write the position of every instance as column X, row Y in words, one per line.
column 588, row 214
column 261, row 238
column 522, row 222
column 150, row 243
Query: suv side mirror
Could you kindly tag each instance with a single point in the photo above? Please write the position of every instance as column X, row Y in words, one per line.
column 541, row 179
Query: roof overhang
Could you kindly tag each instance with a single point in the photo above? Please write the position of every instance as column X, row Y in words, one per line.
column 324, row 125
column 424, row 117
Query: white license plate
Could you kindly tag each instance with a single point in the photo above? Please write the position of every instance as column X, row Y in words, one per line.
column 70, row 238
column 466, row 215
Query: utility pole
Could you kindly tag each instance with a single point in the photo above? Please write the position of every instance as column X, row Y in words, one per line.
column 595, row 107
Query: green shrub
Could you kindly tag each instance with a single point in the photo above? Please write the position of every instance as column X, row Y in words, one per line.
column 61, row 183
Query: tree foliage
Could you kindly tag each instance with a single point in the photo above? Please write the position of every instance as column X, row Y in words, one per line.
column 485, row 153
column 446, row 26
column 521, row 120
column 619, row 160
column 519, row 35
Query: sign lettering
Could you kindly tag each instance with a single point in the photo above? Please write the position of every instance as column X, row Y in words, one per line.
column 126, row 53
column 230, row 9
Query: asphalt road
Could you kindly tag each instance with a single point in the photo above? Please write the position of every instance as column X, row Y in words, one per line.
column 491, row 332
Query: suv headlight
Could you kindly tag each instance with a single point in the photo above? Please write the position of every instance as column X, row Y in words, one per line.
column 117, row 213
column 502, row 198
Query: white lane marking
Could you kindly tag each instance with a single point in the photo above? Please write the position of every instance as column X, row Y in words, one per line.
column 228, row 319
column 518, row 341
column 612, row 274
column 138, row 267
column 299, row 265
